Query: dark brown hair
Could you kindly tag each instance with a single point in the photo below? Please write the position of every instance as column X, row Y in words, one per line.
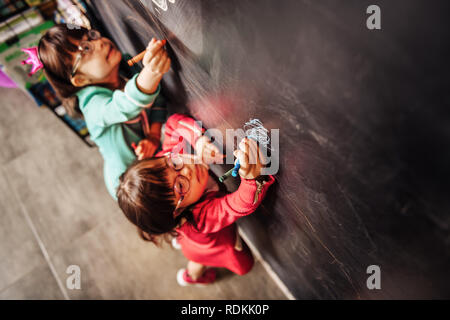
column 147, row 199
column 56, row 49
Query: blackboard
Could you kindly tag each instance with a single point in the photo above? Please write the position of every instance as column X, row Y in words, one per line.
column 364, row 128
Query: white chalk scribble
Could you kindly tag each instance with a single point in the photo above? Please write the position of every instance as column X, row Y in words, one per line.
column 254, row 129
column 162, row 4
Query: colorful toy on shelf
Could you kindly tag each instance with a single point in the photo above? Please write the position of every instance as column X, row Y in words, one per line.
column 33, row 59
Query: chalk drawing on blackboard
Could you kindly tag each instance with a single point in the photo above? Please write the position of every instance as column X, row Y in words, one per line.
column 254, row 129
column 162, row 4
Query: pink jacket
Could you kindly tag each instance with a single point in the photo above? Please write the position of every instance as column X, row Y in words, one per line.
column 212, row 239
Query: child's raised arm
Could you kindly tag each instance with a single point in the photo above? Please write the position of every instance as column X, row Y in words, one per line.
column 101, row 109
column 218, row 212
column 156, row 63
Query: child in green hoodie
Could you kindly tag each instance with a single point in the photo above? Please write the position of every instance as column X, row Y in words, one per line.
column 119, row 113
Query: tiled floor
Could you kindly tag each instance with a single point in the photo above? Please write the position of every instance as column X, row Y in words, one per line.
column 56, row 212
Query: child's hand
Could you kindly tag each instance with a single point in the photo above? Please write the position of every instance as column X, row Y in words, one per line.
column 208, row 152
column 250, row 158
column 156, row 58
column 156, row 63
column 146, row 148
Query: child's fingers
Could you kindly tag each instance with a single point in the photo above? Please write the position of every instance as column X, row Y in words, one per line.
column 158, row 57
column 150, row 55
column 150, row 43
column 157, row 64
column 155, row 44
column 155, row 47
column 146, row 145
column 167, row 65
column 247, row 144
column 243, row 145
column 142, row 143
column 142, row 146
column 250, row 147
column 138, row 149
column 152, row 49
column 149, row 148
column 158, row 60
column 242, row 157
column 162, row 61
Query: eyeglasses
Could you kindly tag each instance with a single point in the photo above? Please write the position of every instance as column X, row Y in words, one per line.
column 85, row 47
column 181, row 184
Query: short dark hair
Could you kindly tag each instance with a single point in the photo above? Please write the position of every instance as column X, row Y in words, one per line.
column 148, row 200
column 56, row 48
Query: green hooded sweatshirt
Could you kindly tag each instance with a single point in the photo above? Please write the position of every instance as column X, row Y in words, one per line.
column 105, row 112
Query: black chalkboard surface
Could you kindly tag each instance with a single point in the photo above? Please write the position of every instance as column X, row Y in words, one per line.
column 364, row 123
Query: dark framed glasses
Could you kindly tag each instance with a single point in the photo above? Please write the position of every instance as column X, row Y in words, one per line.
column 181, row 184
column 85, row 47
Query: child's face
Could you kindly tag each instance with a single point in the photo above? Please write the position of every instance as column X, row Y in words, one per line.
column 100, row 65
column 197, row 174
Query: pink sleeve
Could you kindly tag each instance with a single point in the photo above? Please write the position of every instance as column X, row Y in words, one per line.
column 215, row 213
column 181, row 128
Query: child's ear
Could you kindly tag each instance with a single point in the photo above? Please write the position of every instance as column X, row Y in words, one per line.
column 79, row 80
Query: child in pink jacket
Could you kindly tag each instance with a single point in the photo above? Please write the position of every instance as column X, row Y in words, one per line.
column 173, row 194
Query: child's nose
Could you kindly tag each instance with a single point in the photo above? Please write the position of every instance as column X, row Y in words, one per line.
column 187, row 171
column 98, row 45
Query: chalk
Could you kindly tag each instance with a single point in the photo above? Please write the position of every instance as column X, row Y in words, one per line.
column 140, row 56
column 226, row 175
column 232, row 172
column 136, row 58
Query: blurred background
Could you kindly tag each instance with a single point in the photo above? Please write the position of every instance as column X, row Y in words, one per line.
column 364, row 148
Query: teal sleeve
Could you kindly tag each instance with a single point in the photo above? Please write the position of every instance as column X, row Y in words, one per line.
column 101, row 109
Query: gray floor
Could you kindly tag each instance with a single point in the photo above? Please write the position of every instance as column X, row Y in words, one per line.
column 56, row 212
